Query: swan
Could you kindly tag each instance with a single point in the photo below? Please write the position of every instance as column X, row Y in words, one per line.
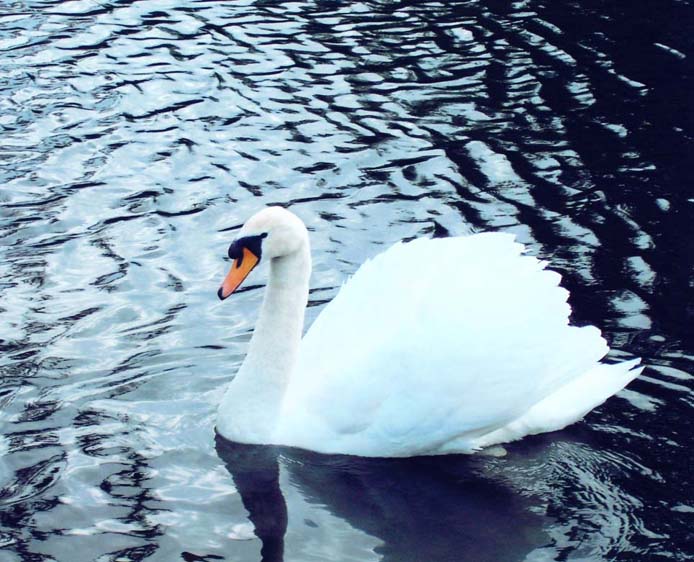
column 435, row 346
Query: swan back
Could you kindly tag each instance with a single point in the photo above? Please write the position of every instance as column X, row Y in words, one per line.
column 435, row 341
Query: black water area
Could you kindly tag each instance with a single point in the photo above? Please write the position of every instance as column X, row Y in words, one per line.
column 135, row 136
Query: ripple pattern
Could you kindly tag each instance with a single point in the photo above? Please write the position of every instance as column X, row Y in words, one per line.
column 136, row 136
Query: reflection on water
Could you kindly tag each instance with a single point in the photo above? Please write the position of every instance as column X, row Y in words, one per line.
column 136, row 136
column 426, row 508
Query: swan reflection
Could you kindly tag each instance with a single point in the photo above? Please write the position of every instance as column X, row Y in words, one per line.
column 463, row 515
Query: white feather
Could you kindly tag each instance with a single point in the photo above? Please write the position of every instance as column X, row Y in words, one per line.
column 440, row 346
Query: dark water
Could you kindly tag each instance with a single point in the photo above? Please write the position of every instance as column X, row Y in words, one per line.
column 135, row 134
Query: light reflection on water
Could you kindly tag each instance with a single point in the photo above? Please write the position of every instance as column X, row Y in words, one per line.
column 135, row 136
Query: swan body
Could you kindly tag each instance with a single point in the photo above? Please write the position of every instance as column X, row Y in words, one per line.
column 432, row 347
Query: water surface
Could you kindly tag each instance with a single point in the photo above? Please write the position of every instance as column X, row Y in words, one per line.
column 136, row 136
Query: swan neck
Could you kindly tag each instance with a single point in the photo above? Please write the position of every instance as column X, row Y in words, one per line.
column 253, row 400
column 278, row 332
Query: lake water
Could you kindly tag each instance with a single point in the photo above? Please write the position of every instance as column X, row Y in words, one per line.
column 136, row 136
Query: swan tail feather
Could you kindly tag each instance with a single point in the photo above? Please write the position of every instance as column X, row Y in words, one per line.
column 569, row 403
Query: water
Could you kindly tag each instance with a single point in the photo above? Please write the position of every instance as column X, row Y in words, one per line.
column 136, row 136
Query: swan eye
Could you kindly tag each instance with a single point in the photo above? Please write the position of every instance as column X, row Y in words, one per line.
column 235, row 250
column 253, row 243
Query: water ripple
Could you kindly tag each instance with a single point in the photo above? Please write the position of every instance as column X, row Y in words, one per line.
column 137, row 136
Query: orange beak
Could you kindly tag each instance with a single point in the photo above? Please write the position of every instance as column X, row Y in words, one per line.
column 240, row 269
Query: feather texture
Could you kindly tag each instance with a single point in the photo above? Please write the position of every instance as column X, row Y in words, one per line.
column 437, row 346
column 432, row 347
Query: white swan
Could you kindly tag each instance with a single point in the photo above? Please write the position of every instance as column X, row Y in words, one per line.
column 434, row 346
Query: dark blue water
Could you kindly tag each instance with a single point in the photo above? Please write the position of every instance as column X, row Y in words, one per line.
column 136, row 135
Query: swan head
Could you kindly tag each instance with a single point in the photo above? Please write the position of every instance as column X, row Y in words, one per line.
column 271, row 233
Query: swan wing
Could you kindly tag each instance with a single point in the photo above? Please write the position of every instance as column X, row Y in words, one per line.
column 433, row 342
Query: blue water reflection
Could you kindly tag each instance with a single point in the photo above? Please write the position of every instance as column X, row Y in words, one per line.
column 434, row 508
column 135, row 137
